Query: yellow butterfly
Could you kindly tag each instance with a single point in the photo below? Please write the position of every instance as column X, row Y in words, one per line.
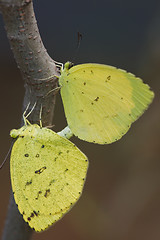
column 47, row 174
column 101, row 102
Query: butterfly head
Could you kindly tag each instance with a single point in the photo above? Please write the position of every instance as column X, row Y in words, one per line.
column 68, row 65
column 25, row 130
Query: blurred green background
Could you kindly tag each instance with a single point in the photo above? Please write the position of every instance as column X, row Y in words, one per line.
column 121, row 198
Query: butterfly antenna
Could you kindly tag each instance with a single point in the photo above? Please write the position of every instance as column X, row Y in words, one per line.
column 40, row 117
column 79, row 39
column 2, row 164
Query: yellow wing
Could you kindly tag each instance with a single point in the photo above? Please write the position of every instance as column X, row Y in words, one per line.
column 47, row 175
column 101, row 102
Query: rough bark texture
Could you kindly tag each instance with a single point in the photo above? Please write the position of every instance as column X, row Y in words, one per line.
column 35, row 64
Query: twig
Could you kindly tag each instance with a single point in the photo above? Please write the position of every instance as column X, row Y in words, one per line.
column 34, row 63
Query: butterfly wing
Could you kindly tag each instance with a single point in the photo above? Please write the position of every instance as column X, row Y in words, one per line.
column 101, row 102
column 47, row 174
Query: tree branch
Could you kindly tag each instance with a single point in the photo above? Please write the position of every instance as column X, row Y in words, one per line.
column 34, row 64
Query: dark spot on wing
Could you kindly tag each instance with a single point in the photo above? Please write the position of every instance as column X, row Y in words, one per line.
column 32, row 215
column 26, row 155
column 29, row 182
column 96, row 99
column 60, row 153
column 84, row 71
column 47, row 193
column 42, row 146
column 39, row 192
column 84, row 83
column 81, row 110
column 39, row 171
column 35, row 213
column 66, row 169
column 91, row 71
column 108, row 78
column 37, row 155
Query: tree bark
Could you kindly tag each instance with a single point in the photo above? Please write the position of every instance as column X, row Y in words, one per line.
column 36, row 66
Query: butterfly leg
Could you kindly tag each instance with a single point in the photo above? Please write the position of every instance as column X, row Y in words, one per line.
column 25, row 117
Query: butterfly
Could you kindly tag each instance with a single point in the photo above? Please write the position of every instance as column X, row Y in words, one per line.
column 47, row 174
column 101, row 102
